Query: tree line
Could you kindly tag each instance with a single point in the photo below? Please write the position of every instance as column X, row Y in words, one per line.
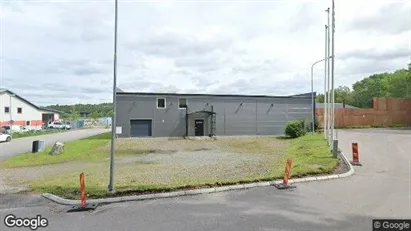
column 76, row 111
column 395, row 84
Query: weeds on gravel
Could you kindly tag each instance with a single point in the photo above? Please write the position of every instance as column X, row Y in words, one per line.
column 245, row 160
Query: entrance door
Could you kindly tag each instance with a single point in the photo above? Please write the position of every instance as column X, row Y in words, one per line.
column 199, row 127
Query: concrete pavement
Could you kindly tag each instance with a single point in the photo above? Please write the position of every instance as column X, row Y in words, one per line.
column 381, row 188
column 22, row 145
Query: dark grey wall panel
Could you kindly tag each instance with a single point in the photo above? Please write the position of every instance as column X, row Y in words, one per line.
column 256, row 116
column 140, row 128
column 240, row 117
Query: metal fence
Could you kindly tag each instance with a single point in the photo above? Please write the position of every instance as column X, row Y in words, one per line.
column 385, row 112
column 76, row 124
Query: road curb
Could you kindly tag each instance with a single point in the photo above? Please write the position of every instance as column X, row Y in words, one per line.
column 64, row 201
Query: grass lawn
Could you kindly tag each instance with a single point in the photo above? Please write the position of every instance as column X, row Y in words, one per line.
column 80, row 150
column 17, row 135
column 378, row 126
column 160, row 165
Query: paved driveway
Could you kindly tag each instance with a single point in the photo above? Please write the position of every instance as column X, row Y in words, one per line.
column 22, row 145
column 381, row 188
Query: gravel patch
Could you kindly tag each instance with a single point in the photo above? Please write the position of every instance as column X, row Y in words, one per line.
column 11, row 179
column 135, row 146
column 199, row 158
column 32, row 173
column 146, row 169
column 163, row 161
column 194, row 166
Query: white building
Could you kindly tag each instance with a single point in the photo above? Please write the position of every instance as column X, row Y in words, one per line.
column 17, row 112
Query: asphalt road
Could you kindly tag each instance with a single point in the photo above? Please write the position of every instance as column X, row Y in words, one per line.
column 381, row 188
column 22, row 145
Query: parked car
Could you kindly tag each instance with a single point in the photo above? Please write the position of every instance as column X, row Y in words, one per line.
column 5, row 137
column 5, row 129
column 59, row 125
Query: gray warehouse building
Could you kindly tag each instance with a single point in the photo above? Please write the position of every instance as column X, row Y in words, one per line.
column 178, row 115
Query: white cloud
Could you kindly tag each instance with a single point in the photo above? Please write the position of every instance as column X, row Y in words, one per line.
column 62, row 52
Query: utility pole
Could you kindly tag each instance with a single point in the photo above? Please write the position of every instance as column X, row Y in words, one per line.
column 312, row 98
column 312, row 92
column 113, row 122
column 325, row 122
column 11, row 116
column 332, row 71
column 328, row 79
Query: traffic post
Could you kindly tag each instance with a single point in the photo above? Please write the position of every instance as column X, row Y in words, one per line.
column 83, row 198
column 287, row 175
column 355, row 155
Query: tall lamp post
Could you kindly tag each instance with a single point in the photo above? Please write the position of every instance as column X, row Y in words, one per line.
column 113, row 122
column 11, row 114
column 328, row 79
column 312, row 92
column 325, row 87
column 332, row 73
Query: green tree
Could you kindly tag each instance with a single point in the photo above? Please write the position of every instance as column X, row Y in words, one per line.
column 94, row 115
column 109, row 113
column 320, row 98
column 396, row 84
column 74, row 114
column 102, row 109
column 343, row 94
column 365, row 90
column 400, row 84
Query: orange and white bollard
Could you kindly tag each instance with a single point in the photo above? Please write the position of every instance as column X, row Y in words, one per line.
column 83, row 204
column 355, row 155
column 287, row 175
column 82, row 191
column 287, row 171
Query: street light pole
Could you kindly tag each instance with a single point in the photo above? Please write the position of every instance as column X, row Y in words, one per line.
column 312, row 92
column 328, row 77
column 11, row 116
column 312, row 101
column 113, row 122
column 332, row 70
column 325, row 122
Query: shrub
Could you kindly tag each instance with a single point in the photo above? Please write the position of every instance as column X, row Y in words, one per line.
column 295, row 128
column 309, row 125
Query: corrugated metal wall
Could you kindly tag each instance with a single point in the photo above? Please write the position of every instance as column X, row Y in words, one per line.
column 235, row 115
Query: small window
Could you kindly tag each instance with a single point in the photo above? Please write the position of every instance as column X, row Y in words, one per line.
column 161, row 103
column 6, row 110
column 182, row 103
column 27, row 123
column 19, row 110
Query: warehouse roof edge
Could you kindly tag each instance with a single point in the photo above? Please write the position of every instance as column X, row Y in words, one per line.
column 304, row 95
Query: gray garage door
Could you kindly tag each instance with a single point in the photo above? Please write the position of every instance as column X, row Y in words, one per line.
column 140, row 128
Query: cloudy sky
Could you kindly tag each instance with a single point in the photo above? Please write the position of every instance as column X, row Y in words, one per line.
column 61, row 51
